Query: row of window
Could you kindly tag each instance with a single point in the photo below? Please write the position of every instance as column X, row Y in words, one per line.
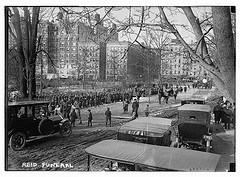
column 179, row 72
column 116, row 66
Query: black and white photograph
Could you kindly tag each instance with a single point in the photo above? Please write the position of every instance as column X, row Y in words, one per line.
column 126, row 88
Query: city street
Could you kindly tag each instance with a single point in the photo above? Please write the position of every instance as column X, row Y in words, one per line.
column 55, row 149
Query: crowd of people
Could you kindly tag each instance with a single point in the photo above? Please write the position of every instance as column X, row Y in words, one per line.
column 224, row 112
column 69, row 104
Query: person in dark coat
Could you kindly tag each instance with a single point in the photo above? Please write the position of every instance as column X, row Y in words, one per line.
column 64, row 109
column 218, row 113
column 227, row 115
column 73, row 116
column 108, row 114
column 125, row 106
column 90, row 118
column 160, row 94
column 175, row 94
column 135, row 106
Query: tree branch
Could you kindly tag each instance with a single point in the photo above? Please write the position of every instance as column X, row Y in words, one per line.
column 199, row 41
column 202, row 62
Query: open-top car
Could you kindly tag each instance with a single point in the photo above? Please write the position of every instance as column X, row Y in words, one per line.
column 194, row 126
column 31, row 118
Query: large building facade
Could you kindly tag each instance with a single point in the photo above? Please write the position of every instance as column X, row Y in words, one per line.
column 95, row 54
column 177, row 63
column 77, row 50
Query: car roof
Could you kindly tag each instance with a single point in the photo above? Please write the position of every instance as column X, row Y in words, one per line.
column 149, row 124
column 27, row 103
column 195, row 107
column 155, row 156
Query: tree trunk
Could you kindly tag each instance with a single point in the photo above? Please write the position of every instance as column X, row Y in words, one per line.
column 225, row 48
column 23, row 77
column 26, row 39
column 22, row 80
column 32, row 82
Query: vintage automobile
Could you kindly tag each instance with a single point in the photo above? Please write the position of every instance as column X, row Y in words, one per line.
column 144, row 157
column 193, row 100
column 150, row 130
column 193, row 126
column 26, row 119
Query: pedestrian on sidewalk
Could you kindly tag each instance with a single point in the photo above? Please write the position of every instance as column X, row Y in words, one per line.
column 227, row 115
column 135, row 106
column 218, row 113
column 90, row 118
column 108, row 114
column 125, row 106
column 147, row 110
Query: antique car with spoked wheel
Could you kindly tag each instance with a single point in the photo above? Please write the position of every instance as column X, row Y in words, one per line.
column 28, row 119
column 194, row 129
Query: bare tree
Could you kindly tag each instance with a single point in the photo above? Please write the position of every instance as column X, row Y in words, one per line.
column 222, row 66
column 24, row 32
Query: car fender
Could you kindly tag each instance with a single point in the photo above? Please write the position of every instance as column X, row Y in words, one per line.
column 62, row 121
column 14, row 130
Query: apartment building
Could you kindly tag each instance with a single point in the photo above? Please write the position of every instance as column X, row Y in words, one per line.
column 179, row 64
column 76, row 49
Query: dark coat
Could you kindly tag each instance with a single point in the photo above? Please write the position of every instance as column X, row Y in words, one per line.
column 218, row 112
column 90, row 116
column 135, row 106
column 73, row 115
column 108, row 114
column 227, row 115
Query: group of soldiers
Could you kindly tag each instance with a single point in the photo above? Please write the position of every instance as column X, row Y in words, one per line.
column 89, row 99
column 68, row 105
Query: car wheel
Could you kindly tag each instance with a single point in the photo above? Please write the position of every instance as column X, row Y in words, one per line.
column 17, row 141
column 66, row 129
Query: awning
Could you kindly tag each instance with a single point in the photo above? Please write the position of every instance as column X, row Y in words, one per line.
column 147, row 124
column 155, row 156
